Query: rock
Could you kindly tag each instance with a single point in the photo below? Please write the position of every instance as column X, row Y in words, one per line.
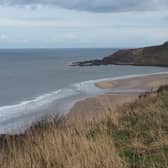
column 147, row 56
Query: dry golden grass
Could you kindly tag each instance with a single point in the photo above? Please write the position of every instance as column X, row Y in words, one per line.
column 135, row 136
column 142, row 133
column 50, row 146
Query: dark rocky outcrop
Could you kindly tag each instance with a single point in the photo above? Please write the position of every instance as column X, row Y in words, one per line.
column 147, row 56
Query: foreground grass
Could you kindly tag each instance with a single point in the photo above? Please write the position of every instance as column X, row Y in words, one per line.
column 141, row 135
column 135, row 136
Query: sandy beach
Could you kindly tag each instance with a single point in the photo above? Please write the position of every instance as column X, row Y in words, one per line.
column 150, row 82
column 128, row 91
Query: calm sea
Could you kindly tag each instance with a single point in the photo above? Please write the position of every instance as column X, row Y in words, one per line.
column 38, row 82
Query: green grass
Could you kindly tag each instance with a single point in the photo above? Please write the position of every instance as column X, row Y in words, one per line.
column 142, row 134
column 135, row 138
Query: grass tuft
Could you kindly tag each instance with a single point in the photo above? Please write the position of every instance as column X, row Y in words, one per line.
column 134, row 136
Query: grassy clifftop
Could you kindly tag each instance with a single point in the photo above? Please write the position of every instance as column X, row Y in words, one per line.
column 135, row 136
column 147, row 56
column 153, row 56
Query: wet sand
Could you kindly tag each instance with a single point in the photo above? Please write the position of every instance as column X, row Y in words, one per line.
column 151, row 82
column 90, row 107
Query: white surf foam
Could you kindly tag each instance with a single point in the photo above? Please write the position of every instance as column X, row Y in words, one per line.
column 89, row 86
column 128, row 77
column 33, row 110
column 14, row 117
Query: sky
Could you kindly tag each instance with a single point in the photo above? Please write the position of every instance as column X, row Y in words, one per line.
column 82, row 23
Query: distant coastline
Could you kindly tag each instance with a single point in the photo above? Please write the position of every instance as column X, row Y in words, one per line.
column 147, row 56
column 120, row 91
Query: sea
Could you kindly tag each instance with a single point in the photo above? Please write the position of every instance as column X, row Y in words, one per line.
column 39, row 83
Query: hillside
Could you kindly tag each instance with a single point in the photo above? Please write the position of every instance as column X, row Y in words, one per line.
column 148, row 56
column 134, row 136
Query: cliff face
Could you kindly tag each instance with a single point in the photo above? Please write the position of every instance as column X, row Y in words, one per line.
column 148, row 56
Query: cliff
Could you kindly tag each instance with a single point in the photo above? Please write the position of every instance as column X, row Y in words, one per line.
column 147, row 56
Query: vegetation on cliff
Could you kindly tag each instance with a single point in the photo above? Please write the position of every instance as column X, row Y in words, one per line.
column 147, row 56
column 134, row 136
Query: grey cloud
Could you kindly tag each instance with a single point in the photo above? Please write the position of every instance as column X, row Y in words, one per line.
column 96, row 5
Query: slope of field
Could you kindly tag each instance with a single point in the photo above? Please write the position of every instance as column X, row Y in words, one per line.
column 134, row 136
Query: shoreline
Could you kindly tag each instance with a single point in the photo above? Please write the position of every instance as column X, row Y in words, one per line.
column 103, row 138
column 144, row 56
column 112, row 92
column 146, row 82
column 121, row 91
column 127, row 77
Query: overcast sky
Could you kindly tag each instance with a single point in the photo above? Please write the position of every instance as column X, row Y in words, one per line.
column 82, row 23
